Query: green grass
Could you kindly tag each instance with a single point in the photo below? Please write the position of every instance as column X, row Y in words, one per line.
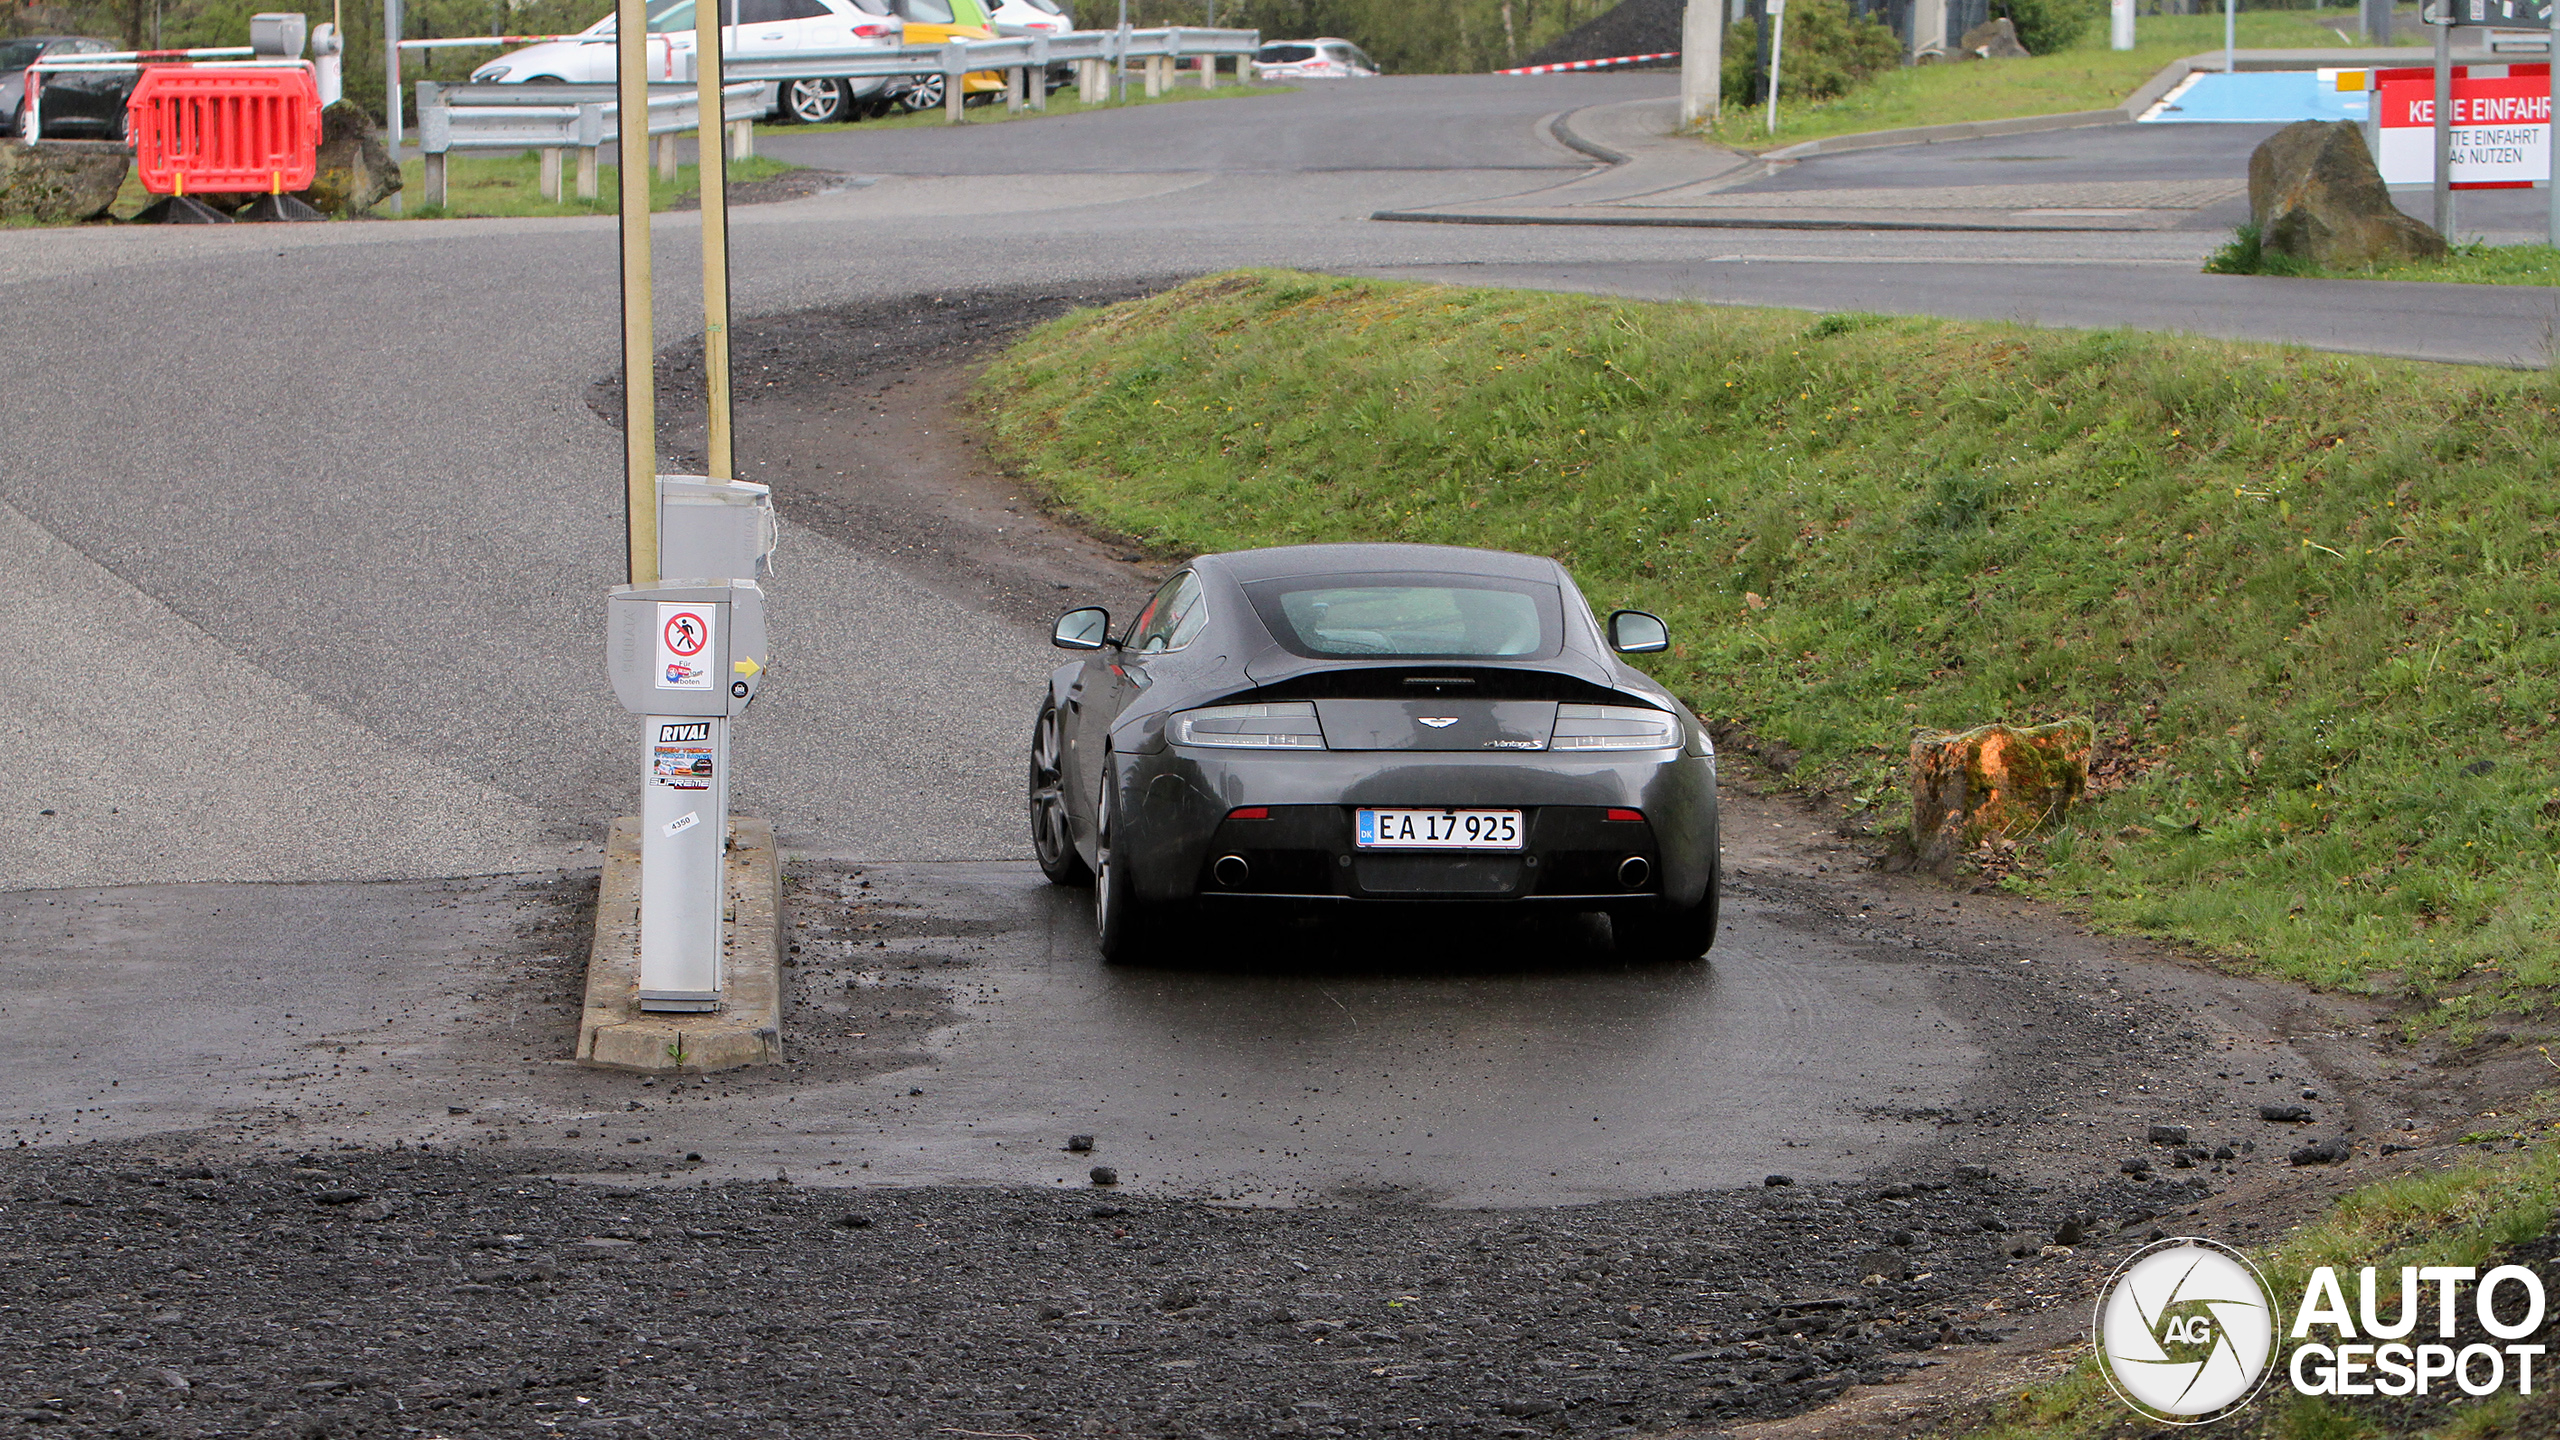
column 2089, row 76
column 1061, row 103
column 2466, row 1213
column 511, row 185
column 2308, row 598
column 2473, row 264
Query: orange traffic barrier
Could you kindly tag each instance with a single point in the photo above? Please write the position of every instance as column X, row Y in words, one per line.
column 217, row 129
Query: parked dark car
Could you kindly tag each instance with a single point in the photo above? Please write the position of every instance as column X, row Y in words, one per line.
column 1364, row 726
column 19, row 52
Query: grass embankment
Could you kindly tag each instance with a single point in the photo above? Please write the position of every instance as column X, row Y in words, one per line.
column 2088, row 76
column 2472, row 1214
column 509, row 185
column 2308, row 598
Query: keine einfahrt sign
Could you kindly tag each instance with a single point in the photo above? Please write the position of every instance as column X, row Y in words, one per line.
column 2501, row 132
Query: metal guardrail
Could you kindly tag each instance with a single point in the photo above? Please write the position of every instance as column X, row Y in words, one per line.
column 557, row 118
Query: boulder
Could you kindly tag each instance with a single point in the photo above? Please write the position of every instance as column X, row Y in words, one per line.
column 2315, row 195
column 355, row 171
column 1995, row 781
column 1992, row 40
column 61, row 182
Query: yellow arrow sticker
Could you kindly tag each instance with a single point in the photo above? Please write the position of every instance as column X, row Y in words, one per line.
column 748, row 668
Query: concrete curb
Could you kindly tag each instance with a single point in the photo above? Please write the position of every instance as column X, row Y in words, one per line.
column 1561, row 127
column 613, row 1034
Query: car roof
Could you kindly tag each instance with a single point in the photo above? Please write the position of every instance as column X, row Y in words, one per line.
column 1248, row 566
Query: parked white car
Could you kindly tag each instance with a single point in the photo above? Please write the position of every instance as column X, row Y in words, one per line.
column 1028, row 17
column 757, row 29
column 1324, row 58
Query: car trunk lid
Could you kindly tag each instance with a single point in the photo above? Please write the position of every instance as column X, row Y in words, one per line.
column 1436, row 723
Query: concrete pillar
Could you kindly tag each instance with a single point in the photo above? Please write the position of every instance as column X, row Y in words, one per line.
column 1701, row 62
column 2120, row 24
column 1013, row 88
column 435, row 178
column 666, row 157
column 587, row 172
column 551, row 175
column 1929, row 27
column 953, row 85
column 1208, row 72
column 742, row 139
column 1037, row 78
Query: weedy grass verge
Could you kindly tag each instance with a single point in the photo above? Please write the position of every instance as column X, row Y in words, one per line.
column 2308, row 598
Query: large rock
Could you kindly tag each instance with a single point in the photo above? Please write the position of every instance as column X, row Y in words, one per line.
column 1993, row 782
column 355, row 171
column 1992, row 40
column 2314, row 195
column 61, row 181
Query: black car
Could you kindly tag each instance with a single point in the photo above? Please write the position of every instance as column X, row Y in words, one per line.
column 76, row 104
column 1368, row 725
column 19, row 52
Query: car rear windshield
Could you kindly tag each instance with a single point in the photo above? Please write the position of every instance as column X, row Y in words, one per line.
column 1283, row 54
column 1432, row 617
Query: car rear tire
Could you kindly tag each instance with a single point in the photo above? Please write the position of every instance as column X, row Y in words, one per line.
column 1053, row 838
column 816, row 102
column 1124, row 929
column 1676, row 935
column 924, row 94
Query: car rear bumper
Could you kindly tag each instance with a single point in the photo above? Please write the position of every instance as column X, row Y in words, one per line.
column 1183, row 802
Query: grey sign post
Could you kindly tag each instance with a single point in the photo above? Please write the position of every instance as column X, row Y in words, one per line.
column 687, row 657
column 2439, row 13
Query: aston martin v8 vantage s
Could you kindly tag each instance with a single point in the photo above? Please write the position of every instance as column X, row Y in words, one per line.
column 1367, row 725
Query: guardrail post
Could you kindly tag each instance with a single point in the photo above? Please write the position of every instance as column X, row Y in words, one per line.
column 1013, row 87
column 1208, row 72
column 667, row 158
column 551, row 175
column 1038, row 74
column 1155, row 77
column 742, row 139
column 435, row 137
column 590, row 136
column 954, row 81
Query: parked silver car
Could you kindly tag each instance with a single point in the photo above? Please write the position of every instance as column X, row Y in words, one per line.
column 756, row 29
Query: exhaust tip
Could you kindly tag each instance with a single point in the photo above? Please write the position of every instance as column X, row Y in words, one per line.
column 1634, row 871
column 1231, row 871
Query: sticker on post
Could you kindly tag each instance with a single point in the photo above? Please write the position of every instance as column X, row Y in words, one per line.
column 684, row 638
column 680, row 824
column 682, row 766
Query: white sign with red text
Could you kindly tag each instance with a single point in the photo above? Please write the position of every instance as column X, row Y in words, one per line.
column 2501, row 133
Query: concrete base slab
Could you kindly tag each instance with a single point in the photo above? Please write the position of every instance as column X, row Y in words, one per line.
column 614, row 1034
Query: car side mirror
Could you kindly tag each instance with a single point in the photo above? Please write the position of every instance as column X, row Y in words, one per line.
column 1634, row 632
column 1087, row 628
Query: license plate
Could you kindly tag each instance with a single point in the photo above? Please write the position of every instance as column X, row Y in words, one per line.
column 1439, row 830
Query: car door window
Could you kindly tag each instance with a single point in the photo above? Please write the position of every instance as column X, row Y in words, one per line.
column 805, row 10
column 925, row 12
column 1170, row 619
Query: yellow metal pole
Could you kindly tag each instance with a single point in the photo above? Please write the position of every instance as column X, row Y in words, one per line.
column 639, row 380
column 710, row 139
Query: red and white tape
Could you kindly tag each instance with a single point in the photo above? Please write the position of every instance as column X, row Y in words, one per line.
column 1591, row 64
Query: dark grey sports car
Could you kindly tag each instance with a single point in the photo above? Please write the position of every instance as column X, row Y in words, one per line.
column 1368, row 724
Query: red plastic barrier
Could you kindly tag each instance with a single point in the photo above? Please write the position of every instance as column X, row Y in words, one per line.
column 217, row 129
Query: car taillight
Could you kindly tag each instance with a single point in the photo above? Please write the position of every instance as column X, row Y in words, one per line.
column 872, row 32
column 1634, row 815
column 1613, row 727
column 1250, row 812
column 1273, row 725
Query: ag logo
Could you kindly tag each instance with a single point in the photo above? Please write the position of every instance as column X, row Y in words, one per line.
column 2185, row 1331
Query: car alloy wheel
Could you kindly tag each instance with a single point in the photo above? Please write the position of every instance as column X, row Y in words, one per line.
column 816, row 102
column 1122, row 928
column 1052, row 835
column 925, row 94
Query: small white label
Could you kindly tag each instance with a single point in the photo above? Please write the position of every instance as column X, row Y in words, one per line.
column 680, row 824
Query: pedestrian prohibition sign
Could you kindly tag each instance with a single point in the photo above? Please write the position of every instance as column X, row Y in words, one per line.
column 684, row 633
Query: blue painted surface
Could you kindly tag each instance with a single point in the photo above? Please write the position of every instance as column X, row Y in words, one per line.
column 2260, row 98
